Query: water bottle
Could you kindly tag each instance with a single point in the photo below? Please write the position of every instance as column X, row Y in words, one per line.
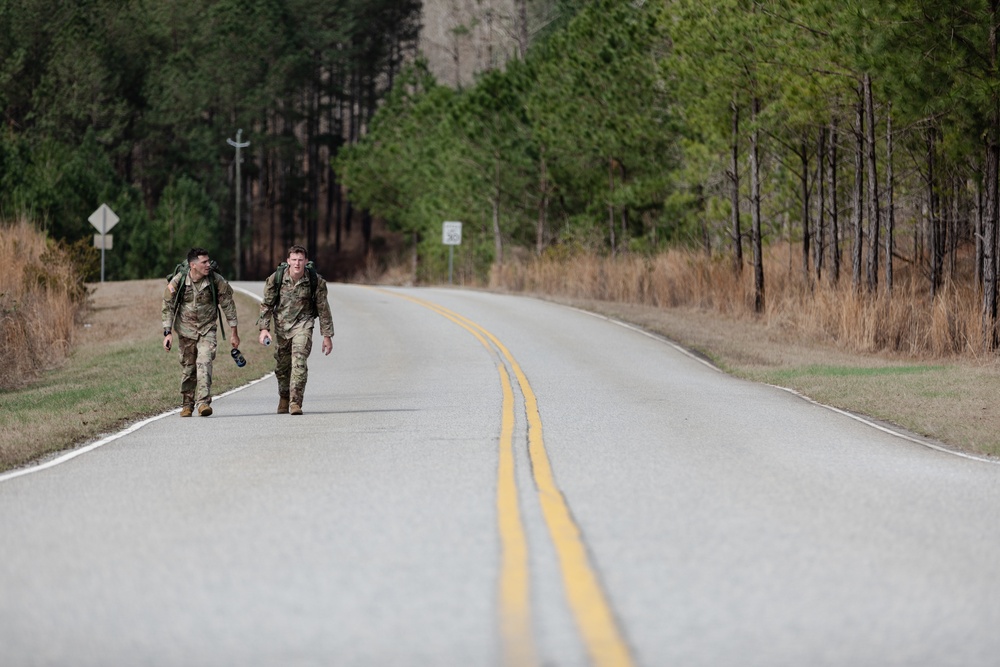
column 238, row 357
column 267, row 340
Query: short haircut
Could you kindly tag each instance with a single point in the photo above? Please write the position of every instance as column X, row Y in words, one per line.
column 195, row 253
column 297, row 249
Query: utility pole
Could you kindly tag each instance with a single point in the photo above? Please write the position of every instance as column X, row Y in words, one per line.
column 238, row 145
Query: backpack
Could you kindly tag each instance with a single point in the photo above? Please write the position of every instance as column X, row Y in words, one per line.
column 183, row 268
column 279, row 275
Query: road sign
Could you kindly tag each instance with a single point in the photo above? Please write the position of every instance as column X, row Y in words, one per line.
column 103, row 219
column 451, row 233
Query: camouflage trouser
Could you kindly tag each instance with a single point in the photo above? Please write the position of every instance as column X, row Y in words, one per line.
column 197, row 355
column 290, row 355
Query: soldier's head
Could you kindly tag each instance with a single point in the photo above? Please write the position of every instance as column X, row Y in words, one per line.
column 297, row 258
column 199, row 262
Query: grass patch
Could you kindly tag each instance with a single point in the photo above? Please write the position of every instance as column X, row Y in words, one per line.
column 851, row 371
column 117, row 374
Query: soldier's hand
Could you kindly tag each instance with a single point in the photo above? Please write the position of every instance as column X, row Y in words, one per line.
column 327, row 344
column 166, row 342
column 265, row 337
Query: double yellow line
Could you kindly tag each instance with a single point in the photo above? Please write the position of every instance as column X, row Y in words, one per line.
column 586, row 599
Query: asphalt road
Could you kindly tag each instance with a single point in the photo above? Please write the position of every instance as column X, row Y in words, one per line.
column 481, row 479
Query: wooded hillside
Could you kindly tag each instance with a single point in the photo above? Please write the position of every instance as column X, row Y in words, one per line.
column 866, row 133
column 132, row 104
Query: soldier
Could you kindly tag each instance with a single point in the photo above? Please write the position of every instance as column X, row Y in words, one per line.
column 193, row 315
column 294, row 296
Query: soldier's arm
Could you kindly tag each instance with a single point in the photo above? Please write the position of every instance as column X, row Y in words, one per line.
column 226, row 302
column 323, row 308
column 264, row 319
column 167, row 312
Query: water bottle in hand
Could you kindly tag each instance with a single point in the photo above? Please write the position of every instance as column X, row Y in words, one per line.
column 238, row 357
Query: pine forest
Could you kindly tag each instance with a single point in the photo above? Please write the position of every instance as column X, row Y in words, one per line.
column 830, row 164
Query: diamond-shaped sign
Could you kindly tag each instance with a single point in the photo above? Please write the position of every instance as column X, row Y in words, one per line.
column 103, row 219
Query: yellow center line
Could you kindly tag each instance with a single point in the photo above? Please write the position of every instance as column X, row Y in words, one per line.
column 587, row 601
column 514, row 585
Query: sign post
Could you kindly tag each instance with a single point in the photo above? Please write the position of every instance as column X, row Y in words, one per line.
column 238, row 145
column 451, row 236
column 103, row 219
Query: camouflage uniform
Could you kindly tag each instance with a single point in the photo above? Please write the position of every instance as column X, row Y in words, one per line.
column 195, row 328
column 292, row 330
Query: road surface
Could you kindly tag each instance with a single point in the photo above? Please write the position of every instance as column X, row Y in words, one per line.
column 483, row 479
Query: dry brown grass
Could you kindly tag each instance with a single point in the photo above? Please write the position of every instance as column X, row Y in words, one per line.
column 907, row 323
column 41, row 296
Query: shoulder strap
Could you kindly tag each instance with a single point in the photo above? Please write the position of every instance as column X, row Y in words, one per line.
column 179, row 292
column 279, row 275
column 311, row 270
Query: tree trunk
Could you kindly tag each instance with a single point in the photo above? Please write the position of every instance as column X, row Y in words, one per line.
column 806, row 231
column 820, row 249
column 734, row 181
column 990, row 214
column 834, row 210
column 611, row 205
column 935, row 218
column 314, row 169
column 890, row 186
column 952, row 231
column 979, row 237
column 543, row 203
column 758, row 259
column 874, row 210
column 497, row 238
column 857, row 217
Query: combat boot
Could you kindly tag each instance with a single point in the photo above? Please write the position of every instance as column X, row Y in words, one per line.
column 282, row 405
column 295, row 402
column 187, row 411
column 204, row 410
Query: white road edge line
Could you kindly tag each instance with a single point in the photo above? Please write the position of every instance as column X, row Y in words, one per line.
column 131, row 429
column 859, row 418
column 111, row 438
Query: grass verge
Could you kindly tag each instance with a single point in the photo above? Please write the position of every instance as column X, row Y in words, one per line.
column 117, row 374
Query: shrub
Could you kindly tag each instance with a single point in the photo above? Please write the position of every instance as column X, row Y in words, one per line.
column 42, row 294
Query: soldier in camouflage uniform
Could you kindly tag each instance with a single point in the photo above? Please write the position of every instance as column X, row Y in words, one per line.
column 292, row 307
column 195, row 323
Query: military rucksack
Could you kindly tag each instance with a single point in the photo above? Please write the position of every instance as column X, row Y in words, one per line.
column 279, row 275
column 184, row 268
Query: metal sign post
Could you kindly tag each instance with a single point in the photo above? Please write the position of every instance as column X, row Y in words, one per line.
column 238, row 145
column 103, row 219
column 451, row 236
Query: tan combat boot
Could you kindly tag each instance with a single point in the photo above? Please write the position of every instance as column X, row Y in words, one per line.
column 204, row 410
column 295, row 403
column 282, row 405
column 187, row 411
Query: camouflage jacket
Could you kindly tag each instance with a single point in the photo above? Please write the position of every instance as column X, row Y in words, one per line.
column 295, row 308
column 196, row 315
